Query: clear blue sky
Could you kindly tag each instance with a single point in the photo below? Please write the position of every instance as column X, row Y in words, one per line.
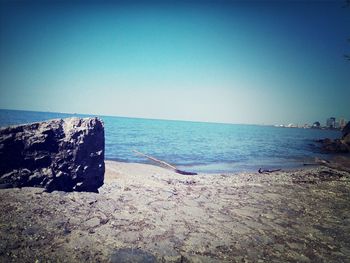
column 256, row 62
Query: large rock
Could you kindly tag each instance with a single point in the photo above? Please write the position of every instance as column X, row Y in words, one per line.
column 61, row 154
column 334, row 146
column 338, row 145
column 346, row 133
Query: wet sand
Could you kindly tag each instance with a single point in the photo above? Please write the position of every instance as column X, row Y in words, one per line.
column 149, row 214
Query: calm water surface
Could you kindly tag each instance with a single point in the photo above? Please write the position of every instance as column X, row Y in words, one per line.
column 197, row 146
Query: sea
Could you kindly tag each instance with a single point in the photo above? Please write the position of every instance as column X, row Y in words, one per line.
column 198, row 146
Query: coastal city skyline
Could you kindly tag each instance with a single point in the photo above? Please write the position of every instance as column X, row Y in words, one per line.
column 329, row 123
column 225, row 62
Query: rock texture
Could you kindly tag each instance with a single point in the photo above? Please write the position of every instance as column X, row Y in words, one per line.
column 334, row 146
column 60, row 154
column 338, row 145
column 346, row 133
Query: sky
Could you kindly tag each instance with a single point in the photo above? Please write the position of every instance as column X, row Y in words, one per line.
column 264, row 62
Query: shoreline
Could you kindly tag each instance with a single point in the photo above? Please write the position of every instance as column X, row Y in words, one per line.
column 151, row 166
column 147, row 212
column 237, row 167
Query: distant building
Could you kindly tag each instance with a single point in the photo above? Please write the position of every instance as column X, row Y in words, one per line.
column 316, row 125
column 292, row 125
column 330, row 123
column 342, row 123
column 337, row 125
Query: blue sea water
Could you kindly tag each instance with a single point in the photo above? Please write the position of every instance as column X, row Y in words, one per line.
column 197, row 146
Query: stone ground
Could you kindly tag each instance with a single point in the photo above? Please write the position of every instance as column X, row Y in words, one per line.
column 145, row 213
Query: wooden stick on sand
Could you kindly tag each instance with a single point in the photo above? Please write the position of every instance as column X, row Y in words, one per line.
column 261, row 171
column 164, row 163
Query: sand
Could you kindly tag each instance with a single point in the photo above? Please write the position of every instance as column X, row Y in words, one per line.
column 145, row 213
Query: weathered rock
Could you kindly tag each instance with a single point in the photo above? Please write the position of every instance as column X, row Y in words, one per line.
column 60, row 154
column 346, row 130
column 338, row 145
column 346, row 139
column 334, row 146
column 346, row 134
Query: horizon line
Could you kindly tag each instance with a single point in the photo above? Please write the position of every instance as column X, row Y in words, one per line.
column 162, row 119
column 134, row 117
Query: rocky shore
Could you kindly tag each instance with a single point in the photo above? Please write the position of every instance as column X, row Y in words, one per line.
column 144, row 213
column 341, row 145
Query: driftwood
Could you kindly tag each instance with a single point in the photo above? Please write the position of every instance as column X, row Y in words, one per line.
column 261, row 171
column 164, row 164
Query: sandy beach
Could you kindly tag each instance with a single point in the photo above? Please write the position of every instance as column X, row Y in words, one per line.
column 174, row 131
column 145, row 213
